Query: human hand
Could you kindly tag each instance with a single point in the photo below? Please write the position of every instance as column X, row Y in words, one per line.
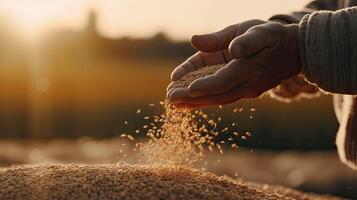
column 294, row 89
column 346, row 138
column 261, row 58
column 212, row 48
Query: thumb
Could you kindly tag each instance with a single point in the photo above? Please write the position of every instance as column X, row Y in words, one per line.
column 251, row 42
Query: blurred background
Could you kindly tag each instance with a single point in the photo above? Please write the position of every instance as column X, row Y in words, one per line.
column 74, row 73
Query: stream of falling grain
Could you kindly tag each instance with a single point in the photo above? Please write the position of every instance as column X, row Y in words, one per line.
column 179, row 135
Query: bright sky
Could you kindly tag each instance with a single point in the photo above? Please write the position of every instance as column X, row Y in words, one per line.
column 140, row 18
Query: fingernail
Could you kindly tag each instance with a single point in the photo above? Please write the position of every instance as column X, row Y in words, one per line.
column 236, row 50
column 173, row 95
column 168, row 93
column 177, row 74
column 178, row 95
column 195, row 37
column 196, row 40
column 194, row 90
column 169, row 87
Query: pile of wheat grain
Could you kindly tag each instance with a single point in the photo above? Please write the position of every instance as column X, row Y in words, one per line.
column 177, row 137
column 45, row 182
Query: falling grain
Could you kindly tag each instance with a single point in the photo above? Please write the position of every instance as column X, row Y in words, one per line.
column 130, row 137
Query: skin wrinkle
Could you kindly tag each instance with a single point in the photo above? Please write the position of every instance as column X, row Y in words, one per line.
column 201, row 60
column 217, row 39
column 224, row 57
column 231, row 30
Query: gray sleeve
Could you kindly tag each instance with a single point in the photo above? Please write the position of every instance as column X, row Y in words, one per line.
column 328, row 49
column 316, row 5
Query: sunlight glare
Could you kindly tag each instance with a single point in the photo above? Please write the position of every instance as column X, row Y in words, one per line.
column 142, row 18
column 36, row 16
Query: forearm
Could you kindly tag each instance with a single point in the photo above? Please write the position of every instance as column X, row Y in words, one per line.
column 328, row 50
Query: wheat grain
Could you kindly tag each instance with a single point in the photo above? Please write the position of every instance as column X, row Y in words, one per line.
column 127, row 182
column 192, row 76
column 179, row 140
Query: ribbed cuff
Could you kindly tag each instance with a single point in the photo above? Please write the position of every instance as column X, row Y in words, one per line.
column 302, row 45
column 326, row 42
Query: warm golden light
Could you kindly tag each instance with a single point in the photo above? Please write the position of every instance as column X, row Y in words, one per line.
column 36, row 16
column 141, row 18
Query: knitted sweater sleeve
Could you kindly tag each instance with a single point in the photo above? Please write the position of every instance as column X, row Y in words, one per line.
column 328, row 49
column 315, row 5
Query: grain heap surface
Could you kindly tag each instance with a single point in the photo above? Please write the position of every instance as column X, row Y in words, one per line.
column 131, row 182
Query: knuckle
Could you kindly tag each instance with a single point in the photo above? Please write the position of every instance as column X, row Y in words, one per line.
column 169, row 87
column 238, row 45
column 274, row 28
column 262, row 29
column 256, row 21
column 244, row 26
column 231, row 27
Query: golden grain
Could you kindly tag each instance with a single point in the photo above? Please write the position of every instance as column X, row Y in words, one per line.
column 130, row 137
column 126, row 182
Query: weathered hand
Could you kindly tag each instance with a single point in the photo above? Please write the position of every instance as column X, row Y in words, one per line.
column 213, row 48
column 262, row 57
column 294, row 89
